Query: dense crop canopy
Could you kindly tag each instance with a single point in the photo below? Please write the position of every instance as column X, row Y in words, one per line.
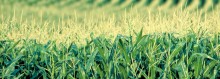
column 147, row 56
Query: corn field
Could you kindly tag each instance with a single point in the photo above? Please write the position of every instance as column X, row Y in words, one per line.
column 109, row 39
column 149, row 56
column 205, row 5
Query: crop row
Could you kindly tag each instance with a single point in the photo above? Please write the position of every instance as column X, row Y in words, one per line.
column 147, row 56
column 165, row 4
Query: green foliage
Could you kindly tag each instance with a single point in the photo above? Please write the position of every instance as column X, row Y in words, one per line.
column 146, row 56
column 63, row 3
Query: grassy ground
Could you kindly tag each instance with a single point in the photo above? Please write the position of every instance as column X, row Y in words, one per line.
column 57, row 42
